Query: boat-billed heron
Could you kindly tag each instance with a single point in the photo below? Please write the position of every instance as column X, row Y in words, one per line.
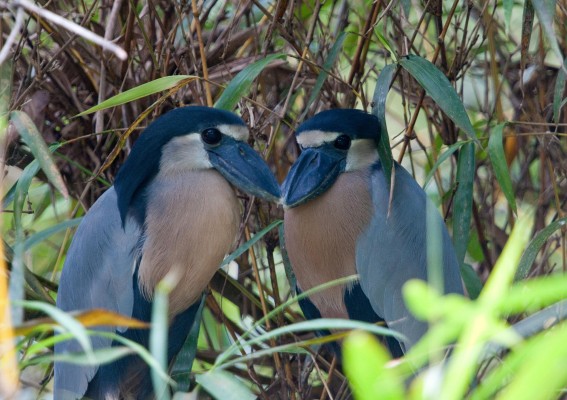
column 172, row 208
column 338, row 222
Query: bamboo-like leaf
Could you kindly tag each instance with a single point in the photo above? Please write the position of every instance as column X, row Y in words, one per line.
column 462, row 203
column 31, row 136
column 329, row 62
column 530, row 254
column 89, row 319
column 450, row 150
column 159, row 332
column 472, row 281
column 379, row 110
column 364, row 361
column 505, row 268
column 439, row 89
column 241, row 83
column 181, row 370
column 224, row 386
column 508, row 6
column 146, row 89
column 498, row 160
column 545, row 11
column 534, row 294
column 64, row 320
column 245, row 246
column 558, row 91
column 39, row 237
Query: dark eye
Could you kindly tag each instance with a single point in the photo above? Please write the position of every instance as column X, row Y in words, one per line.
column 211, row 136
column 342, row 142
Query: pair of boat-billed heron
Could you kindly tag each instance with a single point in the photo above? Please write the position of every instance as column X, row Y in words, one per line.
column 172, row 208
column 339, row 222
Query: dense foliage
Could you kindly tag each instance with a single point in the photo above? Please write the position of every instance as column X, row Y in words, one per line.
column 475, row 112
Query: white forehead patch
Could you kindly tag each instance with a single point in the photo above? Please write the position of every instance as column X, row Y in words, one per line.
column 316, row 138
column 238, row 132
column 184, row 153
column 361, row 155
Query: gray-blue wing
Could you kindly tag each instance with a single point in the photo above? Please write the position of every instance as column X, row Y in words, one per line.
column 392, row 251
column 97, row 273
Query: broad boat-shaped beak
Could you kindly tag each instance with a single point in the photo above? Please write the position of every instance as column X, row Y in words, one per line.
column 312, row 174
column 244, row 168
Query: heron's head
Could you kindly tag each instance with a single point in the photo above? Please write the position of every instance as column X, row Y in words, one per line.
column 195, row 138
column 332, row 142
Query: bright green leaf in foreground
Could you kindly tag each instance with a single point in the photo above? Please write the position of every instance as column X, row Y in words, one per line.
column 224, row 386
column 365, row 364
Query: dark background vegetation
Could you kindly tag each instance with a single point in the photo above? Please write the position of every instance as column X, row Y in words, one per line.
column 496, row 54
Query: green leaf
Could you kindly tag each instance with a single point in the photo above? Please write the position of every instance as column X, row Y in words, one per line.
column 462, row 203
column 64, row 320
column 364, row 361
column 558, row 101
column 530, row 254
column 329, row 62
column 379, row 110
column 41, row 236
column 159, row 331
column 504, row 270
column 547, row 354
column 472, row 281
column 545, row 11
column 242, row 82
column 146, row 89
column 450, row 150
column 224, row 386
column 508, row 6
column 439, row 89
column 31, row 136
column 245, row 246
column 534, row 294
column 498, row 160
column 181, row 370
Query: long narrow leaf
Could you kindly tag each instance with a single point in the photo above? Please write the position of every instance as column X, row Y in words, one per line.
column 329, row 62
column 241, row 83
column 545, row 11
column 558, row 92
column 379, row 110
column 530, row 254
column 31, row 136
column 244, row 247
column 224, row 386
column 439, row 89
column 450, row 150
column 43, row 235
column 146, row 89
column 462, row 203
column 498, row 160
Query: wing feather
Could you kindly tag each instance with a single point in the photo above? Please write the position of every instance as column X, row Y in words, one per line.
column 94, row 277
column 392, row 250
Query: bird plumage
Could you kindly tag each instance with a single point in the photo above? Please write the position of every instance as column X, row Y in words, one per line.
column 338, row 221
column 172, row 209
